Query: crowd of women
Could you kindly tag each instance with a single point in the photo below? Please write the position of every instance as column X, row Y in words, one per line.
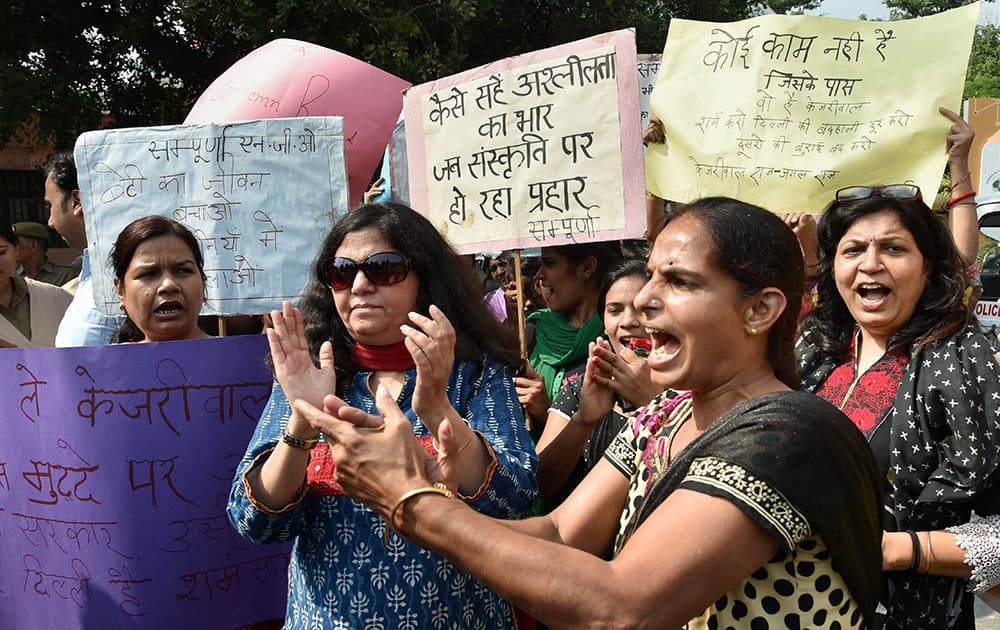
column 768, row 422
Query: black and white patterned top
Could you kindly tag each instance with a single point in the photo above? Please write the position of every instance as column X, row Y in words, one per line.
column 943, row 462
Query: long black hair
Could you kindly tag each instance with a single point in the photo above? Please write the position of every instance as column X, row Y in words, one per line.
column 7, row 232
column 757, row 249
column 443, row 279
column 941, row 310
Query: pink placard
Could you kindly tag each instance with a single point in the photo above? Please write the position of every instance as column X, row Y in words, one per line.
column 287, row 78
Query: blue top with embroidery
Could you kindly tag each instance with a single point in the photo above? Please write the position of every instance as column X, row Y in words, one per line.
column 341, row 573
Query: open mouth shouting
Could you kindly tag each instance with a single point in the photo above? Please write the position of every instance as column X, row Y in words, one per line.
column 665, row 346
column 872, row 295
column 168, row 310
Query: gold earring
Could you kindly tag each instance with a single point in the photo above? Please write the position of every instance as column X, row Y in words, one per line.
column 753, row 331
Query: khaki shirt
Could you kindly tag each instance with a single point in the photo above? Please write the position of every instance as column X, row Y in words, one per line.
column 19, row 312
column 54, row 273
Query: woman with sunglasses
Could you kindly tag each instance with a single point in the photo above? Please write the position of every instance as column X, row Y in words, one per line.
column 744, row 504
column 893, row 342
column 390, row 308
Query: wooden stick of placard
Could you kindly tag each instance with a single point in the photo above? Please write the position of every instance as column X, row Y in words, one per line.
column 520, row 304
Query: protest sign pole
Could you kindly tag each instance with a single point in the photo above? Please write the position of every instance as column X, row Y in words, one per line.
column 520, row 303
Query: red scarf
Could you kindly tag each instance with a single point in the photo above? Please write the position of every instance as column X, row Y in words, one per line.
column 391, row 358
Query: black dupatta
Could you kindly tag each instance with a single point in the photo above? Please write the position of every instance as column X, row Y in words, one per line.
column 810, row 453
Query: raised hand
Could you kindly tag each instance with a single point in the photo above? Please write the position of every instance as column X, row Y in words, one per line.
column 377, row 459
column 431, row 342
column 625, row 373
column 298, row 376
column 377, row 189
column 960, row 135
column 596, row 396
column 653, row 132
column 804, row 227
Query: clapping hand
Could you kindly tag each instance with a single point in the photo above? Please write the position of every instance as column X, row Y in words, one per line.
column 625, row 373
column 431, row 342
column 298, row 376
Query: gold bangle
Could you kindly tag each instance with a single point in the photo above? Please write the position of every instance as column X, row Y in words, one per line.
column 437, row 447
column 438, row 488
column 491, row 468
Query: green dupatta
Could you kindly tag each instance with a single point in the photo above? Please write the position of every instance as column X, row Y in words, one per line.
column 558, row 344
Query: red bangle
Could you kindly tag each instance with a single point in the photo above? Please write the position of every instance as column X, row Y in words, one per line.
column 955, row 200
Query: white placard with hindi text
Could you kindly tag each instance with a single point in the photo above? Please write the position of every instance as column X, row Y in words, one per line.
column 535, row 150
column 258, row 195
column 648, row 67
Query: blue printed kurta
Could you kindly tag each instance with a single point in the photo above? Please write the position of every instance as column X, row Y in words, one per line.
column 341, row 574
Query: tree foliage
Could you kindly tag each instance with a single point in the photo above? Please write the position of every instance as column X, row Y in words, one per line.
column 144, row 62
column 983, row 78
column 905, row 9
column 983, row 74
column 791, row 7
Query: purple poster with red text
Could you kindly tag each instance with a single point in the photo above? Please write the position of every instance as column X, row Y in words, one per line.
column 115, row 468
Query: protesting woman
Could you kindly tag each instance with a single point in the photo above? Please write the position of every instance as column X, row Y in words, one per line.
column 745, row 504
column 892, row 341
column 390, row 308
column 587, row 414
column 160, row 280
column 569, row 278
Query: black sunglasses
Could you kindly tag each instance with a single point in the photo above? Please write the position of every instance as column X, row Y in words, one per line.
column 382, row 269
column 903, row 192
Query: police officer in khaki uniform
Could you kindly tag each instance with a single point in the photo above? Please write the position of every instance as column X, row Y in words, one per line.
column 33, row 259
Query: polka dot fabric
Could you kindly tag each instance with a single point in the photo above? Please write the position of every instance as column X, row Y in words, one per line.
column 799, row 590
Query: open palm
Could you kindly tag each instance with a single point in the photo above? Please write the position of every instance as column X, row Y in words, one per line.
column 293, row 366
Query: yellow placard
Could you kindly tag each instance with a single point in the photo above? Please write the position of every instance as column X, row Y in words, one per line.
column 782, row 111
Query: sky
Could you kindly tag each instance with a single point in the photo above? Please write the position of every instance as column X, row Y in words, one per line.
column 875, row 9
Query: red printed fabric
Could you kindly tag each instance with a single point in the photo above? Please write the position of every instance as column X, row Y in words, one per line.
column 873, row 395
column 320, row 474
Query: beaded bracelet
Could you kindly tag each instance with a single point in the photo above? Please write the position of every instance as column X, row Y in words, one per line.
column 961, row 181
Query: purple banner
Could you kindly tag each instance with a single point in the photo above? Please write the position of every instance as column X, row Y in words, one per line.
column 115, row 468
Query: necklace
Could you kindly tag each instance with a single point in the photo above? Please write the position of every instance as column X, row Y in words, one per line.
column 392, row 390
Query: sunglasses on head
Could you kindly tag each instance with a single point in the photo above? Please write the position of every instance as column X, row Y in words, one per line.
column 382, row 269
column 903, row 192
